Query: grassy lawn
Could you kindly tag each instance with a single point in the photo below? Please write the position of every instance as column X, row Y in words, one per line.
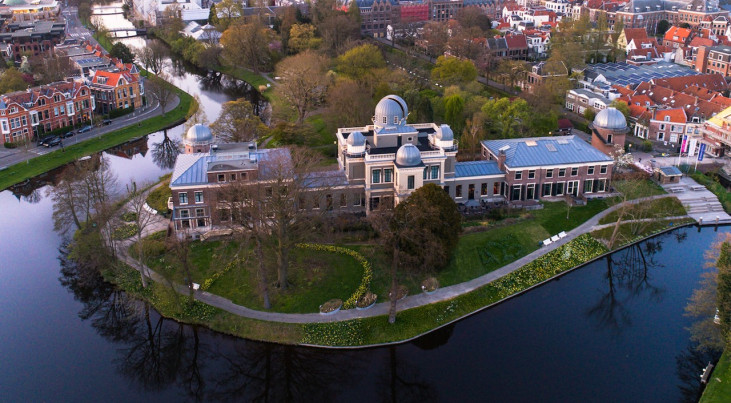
column 44, row 163
column 665, row 207
column 554, row 218
column 724, row 196
column 158, row 198
column 255, row 80
column 636, row 190
column 631, row 232
column 719, row 385
column 315, row 276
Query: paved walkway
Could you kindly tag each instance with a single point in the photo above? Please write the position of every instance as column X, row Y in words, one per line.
column 413, row 301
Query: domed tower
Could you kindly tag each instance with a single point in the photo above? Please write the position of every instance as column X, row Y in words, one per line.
column 408, row 155
column 608, row 130
column 355, row 143
column 391, row 111
column 198, row 139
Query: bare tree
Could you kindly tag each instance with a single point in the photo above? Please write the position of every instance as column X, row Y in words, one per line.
column 143, row 220
column 153, row 56
column 247, row 45
column 303, row 82
column 159, row 87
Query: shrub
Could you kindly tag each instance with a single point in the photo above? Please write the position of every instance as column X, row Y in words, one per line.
column 589, row 115
column 430, row 284
column 647, row 146
column 124, row 231
column 129, row 216
column 115, row 113
column 158, row 198
column 10, row 144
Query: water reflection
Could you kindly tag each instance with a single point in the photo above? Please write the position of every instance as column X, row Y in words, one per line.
column 688, row 367
column 628, row 275
column 165, row 152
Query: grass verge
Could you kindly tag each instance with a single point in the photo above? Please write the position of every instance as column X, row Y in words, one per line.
column 158, row 198
column 718, row 389
column 38, row 165
column 658, row 208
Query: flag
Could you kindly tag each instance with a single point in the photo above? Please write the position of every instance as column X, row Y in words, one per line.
column 684, row 144
column 691, row 148
column 701, row 151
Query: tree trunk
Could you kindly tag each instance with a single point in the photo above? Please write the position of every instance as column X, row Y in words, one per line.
column 262, row 274
column 394, row 286
column 282, row 259
column 143, row 275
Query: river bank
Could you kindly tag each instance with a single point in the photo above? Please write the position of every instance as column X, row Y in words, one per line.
column 418, row 315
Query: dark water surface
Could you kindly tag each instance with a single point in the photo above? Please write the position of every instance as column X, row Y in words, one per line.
column 613, row 331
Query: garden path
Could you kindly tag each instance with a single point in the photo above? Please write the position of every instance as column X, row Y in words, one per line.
column 413, row 301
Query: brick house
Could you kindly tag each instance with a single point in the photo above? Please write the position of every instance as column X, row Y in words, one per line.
column 550, row 167
column 714, row 59
column 116, row 89
column 24, row 114
column 36, row 38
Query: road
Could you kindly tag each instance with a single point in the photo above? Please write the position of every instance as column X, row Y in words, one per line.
column 10, row 157
column 74, row 28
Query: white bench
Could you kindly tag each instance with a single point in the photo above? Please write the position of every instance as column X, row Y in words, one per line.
column 547, row 242
column 562, row 234
column 554, row 238
column 676, row 190
column 698, row 187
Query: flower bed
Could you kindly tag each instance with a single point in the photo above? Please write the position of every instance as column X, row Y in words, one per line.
column 331, row 306
column 365, row 283
column 129, row 216
column 430, row 285
column 366, row 301
column 207, row 283
column 124, row 231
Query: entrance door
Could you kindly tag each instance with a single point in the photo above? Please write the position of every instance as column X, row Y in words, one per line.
column 471, row 192
column 515, row 195
column 530, row 193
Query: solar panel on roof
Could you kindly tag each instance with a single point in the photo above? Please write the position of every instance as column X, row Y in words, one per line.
column 551, row 147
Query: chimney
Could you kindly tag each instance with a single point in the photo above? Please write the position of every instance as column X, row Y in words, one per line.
column 501, row 160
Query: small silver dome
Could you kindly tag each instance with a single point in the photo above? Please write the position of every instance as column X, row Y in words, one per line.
column 445, row 134
column 610, row 118
column 198, row 133
column 408, row 155
column 355, row 139
column 390, row 111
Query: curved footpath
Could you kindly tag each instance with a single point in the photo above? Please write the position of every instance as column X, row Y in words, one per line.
column 441, row 294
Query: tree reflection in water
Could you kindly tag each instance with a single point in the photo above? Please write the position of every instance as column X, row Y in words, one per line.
column 689, row 366
column 401, row 382
column 165, row 152
column 628, row 276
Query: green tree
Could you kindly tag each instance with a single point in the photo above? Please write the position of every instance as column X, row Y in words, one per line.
column 238, row 122
column 302, row 37
column 429, row 224
column 12, row 80
column 228, row 11
column 450, row 70
column 589, row 114
column 247, row 45
column 213, row 15
column 663, row 27
column 354, row 12
column 508, row 118
column 361, row 62
column 453, row 112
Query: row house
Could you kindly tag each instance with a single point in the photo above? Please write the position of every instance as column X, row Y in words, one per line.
column 543, row 72
column 25, row 114
column 714, row 60
column 717, row 133
column 34, row 38
column 511, row 46
column 116, row 90
column 377, row 15
column 580, row 99
column 676, row 37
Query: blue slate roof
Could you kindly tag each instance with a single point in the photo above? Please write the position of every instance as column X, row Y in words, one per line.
column 187, row 173
column 671, row 171
column 568, row 150
column 476, row 168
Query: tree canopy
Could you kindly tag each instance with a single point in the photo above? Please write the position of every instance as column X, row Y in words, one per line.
column 451, row 70
column 238, row 122
column 303, row 83
column 122, row 52
column 428, row 226
column 360, row 62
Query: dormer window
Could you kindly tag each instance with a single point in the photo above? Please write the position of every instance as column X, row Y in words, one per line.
column 667, row 118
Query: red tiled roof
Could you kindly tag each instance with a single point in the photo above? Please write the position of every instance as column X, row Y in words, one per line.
column 635, row 33
column 516, row 42
column 714, row 82
column 681, row 33
column 698, row 41
column 676, row 115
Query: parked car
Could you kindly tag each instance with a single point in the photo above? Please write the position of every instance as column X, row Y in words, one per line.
column 46, row 140
column 54, row 142
column 68, row 134
column 107, row 122
column 85, row 129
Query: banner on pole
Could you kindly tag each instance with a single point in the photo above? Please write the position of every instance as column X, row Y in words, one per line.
column 701, row 151
column 691, row 148
column 684, row 143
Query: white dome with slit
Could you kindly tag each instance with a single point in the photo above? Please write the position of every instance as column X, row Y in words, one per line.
column 198, row 134
column 445, row 133
column 408, row 156
column 610, row 118
column 390, row 111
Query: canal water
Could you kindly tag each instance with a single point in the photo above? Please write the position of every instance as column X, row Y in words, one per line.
column 612, row 331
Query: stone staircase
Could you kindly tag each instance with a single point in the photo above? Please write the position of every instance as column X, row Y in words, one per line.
column 702, row 205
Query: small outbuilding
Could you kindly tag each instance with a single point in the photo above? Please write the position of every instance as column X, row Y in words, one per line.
column 667, row 175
